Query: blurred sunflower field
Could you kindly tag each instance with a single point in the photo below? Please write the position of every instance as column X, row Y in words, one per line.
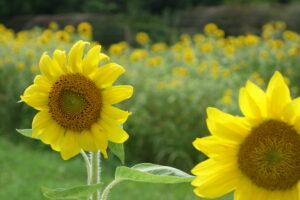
column 174, row 83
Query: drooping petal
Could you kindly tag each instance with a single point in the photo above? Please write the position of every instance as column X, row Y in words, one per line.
column 104, row 57
column 278, row 94
column 115, row 114
column 69, row 146
column 116, row 94
column 75, row 56
column 108, row 74
column 226, row 126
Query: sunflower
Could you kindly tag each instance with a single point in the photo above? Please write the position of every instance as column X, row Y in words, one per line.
column 258, row 155
column 85, row 29
column 142, row 38
column 63, row 36
column 74, row 98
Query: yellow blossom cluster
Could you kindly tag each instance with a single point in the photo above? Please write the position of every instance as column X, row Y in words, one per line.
column 209, row 58
column 22, row 49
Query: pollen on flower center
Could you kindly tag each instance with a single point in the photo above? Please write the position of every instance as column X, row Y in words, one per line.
column 270, row 156
column 75, row 102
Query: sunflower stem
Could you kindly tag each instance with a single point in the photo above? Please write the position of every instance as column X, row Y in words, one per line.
column 106, row 191
column 96, row 172
column 88, row 166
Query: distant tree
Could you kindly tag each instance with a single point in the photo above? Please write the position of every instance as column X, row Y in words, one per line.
column 284, row 1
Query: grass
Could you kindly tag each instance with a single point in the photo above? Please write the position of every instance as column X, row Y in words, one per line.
column 24, row 169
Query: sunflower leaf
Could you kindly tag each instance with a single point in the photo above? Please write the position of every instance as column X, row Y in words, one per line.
column 78, row 192
column 26, row 132
column 152, row 173
column 118, row 150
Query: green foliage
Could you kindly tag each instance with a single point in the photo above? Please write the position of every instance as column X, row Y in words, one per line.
column 78, row 192
column 118, row 150
column 26, row 132
column 152, row 173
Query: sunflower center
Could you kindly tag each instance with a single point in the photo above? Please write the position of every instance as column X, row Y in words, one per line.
column 75, row 102
column 270, row 156
column 72, row 103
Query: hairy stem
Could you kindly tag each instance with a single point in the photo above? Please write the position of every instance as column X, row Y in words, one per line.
column 96, row 172
column 106, row 191
column 88, row 166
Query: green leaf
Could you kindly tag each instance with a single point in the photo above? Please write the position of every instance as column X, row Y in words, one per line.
column 26, row 132
column 78, row 192
column 152, row 173
column 118, row 150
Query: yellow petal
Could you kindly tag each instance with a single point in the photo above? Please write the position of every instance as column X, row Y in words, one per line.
column 101, row 140
column 248, row 106
column 104, row 57
column 40, row 122
column 245, row 190
column 53, row 135
column 114, row 132
column 213, row 147
column 292, row 194
column 87, row 141
column 204, row 166
column 226, row 126
column 217, row 181
column 36, row 97
column 91, row 60
column 69, row 145
column 278, row 94
column 116, row 114
column 259, row 98
column 108, row 74
column 290, row 112
column 61, row 58
column 75, row 56
column 42, row 82
column 116, row 94
column 50, row 68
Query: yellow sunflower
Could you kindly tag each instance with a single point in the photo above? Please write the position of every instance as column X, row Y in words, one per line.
column 74, row 98
column 85, row 29
column 258, row 155
column 63, row 36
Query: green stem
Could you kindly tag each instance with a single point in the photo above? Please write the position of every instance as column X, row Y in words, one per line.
column 106, row 191
column 88, row 166
column 95, row 157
